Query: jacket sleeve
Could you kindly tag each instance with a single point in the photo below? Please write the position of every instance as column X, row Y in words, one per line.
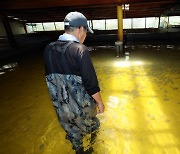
column 87, row 72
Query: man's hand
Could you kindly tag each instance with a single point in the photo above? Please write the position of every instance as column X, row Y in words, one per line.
column 100, row 108
column 99, row 102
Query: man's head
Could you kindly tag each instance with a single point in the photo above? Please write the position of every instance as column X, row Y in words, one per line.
column 75, row 23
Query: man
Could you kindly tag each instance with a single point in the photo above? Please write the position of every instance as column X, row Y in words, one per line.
column 72, row 81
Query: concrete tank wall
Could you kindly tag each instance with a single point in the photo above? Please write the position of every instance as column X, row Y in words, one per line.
column 17, row 28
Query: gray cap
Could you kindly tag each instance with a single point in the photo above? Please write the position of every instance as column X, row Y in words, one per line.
column 76, row 19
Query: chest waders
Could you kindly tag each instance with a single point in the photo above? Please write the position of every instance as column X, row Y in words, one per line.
column 75, row 108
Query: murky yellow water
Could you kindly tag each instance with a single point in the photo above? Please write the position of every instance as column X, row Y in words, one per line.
column 141, row 93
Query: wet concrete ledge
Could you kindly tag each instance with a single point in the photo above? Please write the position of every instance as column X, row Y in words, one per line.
column 24, row 44
column 37, row 41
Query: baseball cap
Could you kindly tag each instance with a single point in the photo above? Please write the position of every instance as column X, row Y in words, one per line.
column 76, row 19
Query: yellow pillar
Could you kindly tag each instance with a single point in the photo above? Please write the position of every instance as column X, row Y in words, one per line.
column 120, row 22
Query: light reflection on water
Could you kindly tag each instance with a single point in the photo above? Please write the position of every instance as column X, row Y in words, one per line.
column 2, row 73
column 8, row 67
column 137, row 116
column 126, row 56
column 170, row 46
column 149, row 46
column 127, row 63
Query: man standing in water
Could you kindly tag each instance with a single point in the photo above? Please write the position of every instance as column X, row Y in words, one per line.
column 72, row 81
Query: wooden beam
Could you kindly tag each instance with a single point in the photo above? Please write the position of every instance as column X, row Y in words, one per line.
column 29, row 4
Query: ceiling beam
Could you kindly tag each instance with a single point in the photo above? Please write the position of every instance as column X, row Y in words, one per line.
column 35, row 4
column 137, row 9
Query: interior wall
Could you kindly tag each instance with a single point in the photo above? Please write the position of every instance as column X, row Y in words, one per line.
column 17, row 28
column 2, row 30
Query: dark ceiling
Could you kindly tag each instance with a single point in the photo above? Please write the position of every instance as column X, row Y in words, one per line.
column 55, row 10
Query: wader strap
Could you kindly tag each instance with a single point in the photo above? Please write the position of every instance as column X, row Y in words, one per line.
column 61, row 48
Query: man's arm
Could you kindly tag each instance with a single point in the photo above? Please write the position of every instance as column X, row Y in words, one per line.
column 89, row 77
column 100, row 105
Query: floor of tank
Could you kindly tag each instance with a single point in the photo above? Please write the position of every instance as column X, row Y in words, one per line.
column 141, row 93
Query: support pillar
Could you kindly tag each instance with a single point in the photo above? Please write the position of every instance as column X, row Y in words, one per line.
column 119, row 43
column 120, row 22
column 168, row 23
column 43, row 26
column 55, row 26
column 92, row 24
column 159, row 22
column 25, row 29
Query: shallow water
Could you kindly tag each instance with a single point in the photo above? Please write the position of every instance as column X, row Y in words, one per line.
column 141, row 92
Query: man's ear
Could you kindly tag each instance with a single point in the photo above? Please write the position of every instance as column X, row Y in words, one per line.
column 81, row 28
